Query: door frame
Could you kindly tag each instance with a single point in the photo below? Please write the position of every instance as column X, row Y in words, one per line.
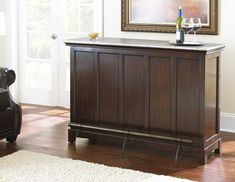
column 53, row 101
column 60, row 57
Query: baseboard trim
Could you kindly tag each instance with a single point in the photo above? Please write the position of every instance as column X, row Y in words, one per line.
column 227, row 122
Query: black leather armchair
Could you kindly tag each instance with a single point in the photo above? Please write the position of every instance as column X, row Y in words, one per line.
column 10, row 111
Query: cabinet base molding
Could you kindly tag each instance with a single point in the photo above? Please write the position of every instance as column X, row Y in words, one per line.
column 167, row 143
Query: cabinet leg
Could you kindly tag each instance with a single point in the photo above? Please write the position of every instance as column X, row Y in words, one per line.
column 203, row 157
column 218, row 150
column 72, row 134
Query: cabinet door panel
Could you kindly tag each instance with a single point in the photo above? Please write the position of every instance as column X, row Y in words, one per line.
column 188, row 93
column 85, row 83
column 108, row 94
column 133, row 91
column 161, row 101
column 211, row 89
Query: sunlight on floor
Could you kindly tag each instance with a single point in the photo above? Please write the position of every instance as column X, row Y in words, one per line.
column 28, row 107
column 228, row 148
column 54, row 111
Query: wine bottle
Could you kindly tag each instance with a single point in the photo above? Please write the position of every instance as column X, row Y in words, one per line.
column 179, row 28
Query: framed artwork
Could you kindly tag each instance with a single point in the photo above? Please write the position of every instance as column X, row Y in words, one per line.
column 161, row 15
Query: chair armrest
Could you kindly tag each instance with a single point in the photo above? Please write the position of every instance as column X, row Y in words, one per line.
column 7, row 77
column 4, row 99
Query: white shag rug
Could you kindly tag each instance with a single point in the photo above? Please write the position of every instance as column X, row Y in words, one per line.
column 26, row 166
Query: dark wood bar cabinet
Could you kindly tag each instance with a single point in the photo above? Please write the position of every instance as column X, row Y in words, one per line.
column 149, row 90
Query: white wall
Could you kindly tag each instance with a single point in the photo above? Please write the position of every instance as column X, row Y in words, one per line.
column 112, row 28
column 2, row 38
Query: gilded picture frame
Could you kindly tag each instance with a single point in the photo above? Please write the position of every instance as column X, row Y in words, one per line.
column 160, row 15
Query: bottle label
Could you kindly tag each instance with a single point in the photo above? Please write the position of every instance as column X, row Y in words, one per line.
column 177, row 35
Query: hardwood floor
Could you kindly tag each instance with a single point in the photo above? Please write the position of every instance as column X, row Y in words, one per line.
column 44, row 130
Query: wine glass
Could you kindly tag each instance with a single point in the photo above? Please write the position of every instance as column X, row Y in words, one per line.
column 187, row 25
column 197, row 25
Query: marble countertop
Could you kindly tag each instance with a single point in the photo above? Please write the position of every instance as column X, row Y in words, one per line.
column 107, row 41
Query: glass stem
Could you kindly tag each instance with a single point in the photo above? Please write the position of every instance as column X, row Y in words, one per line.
column 194, row 36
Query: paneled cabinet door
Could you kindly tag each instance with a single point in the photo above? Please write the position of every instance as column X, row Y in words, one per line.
column 109, row 89
column 162, row 94
column 134, row 92
column 149, row 93
column 188, row 97
column 85, row 86
column 96, row 90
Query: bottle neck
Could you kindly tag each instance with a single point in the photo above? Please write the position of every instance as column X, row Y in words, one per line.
column 180, row 13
